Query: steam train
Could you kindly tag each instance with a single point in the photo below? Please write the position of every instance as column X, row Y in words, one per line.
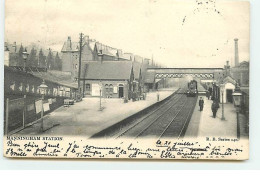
column 192, row 89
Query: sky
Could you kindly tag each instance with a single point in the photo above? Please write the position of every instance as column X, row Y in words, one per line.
column 176, row 33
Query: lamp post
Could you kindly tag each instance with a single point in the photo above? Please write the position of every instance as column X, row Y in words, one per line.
column 25, row 56
column 100, row 94
column 237, row 102
column 43, row 88
column 222, row 87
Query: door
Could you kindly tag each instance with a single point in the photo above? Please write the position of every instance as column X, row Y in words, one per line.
column 121, row 92
column 96, row 90
column 229, row 95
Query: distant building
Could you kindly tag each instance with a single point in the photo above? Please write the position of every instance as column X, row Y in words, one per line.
column 6, row 56
column 15, row 57
column 241, row 73
column 92, row 50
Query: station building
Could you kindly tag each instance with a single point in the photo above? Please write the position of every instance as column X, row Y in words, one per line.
column 111, row 79
column 18, row 83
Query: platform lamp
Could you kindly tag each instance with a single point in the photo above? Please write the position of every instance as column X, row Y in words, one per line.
column 100, row 94
column 222, row 89
column 237, row 102
column 43, row 89
column 25, row 57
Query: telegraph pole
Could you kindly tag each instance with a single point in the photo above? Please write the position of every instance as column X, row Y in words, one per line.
column 80, row 51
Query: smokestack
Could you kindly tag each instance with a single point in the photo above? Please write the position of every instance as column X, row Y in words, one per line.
column 236, row 53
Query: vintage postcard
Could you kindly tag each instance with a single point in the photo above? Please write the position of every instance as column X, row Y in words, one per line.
column 148, row 79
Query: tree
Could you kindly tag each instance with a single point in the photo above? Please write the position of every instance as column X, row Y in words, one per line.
column 42, row 59
column 50, row 60
column 32, row 61
column 58, row 63
column 20, row 56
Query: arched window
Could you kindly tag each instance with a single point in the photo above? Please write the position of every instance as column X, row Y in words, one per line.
column 21, row 87
column 111, row 89
column 33, row 88
column 12, row 86
column 107, row 90
column 27, row 88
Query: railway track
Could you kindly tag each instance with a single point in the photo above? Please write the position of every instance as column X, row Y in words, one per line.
column 178, row 125
column 169, row 120
column 137, row 128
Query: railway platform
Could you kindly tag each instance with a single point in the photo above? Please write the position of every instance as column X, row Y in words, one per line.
column 85, row 118
column 201, row 89
column 202, row 124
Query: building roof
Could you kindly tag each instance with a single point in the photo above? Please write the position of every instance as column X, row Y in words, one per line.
column 62, row 78
column 128, row 56
column 59, row 77
column 244, row 64
column 104, row 50
column 12, row 48
column 149, row 77
column 70, row 46
column 228, row 79
column 106, row 70
column 138, row 58
column 101, row 49
column 137, row 68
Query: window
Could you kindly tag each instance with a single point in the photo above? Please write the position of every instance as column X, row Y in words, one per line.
column 76, row 66
column 27, row 88
column 111, row 89
column 107, row 90
column 87, row 87
column 12, row 86
column 21, row 87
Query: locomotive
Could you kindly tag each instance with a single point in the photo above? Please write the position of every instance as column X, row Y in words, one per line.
column 192, row 88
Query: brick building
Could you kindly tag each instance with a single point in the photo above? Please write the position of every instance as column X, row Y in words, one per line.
column 241, row 73
column 92, row 50
column 115, row 79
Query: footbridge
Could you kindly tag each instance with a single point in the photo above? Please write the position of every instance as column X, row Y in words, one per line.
column 200, row 73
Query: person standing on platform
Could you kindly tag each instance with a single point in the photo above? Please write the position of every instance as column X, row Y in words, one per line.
column 207, row 94
column 214, row 108
column 210, row 91
column 201, row 104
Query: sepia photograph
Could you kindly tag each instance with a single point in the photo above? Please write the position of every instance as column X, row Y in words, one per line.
column 161, row 79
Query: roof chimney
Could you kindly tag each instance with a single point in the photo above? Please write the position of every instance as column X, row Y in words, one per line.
column 86, row 39
column 14, row 46
column 69, row 43
column 227, row 69
column 236, row 53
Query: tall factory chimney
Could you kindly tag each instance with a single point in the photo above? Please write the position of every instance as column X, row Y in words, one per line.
column 236, row 53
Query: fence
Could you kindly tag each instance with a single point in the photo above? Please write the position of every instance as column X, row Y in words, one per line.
column 22, row 112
